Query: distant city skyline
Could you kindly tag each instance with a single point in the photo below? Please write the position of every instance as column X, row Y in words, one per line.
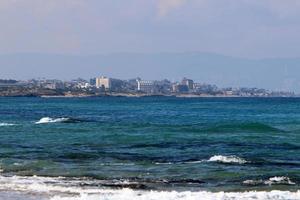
column 136, row 87
column 225, row 71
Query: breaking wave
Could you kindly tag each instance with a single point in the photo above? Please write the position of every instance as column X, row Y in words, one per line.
column 216, row 158
column 60, row 188
column 227, row 159
column 46, row 120
column 277, row 180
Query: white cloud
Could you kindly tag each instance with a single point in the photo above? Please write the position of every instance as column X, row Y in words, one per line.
column 165, row 6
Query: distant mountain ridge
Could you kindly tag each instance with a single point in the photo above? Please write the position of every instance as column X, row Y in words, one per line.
column 270, row 73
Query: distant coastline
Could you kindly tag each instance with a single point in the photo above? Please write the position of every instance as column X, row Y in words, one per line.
column 138, row 96
column 105, row 86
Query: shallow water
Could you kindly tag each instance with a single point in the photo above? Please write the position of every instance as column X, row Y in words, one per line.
column 138, row 145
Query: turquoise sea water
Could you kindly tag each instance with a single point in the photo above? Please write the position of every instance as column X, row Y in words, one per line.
column 152, row 143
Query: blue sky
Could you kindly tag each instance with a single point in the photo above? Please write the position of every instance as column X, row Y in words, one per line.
column 243, row 28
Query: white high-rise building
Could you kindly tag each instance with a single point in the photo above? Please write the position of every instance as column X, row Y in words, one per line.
column 103, row 82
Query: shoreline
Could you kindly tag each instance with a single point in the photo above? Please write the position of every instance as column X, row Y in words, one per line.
column 143, row 95
column 45, row 191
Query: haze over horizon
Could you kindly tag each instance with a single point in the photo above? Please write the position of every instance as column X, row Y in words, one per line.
column 82, row 38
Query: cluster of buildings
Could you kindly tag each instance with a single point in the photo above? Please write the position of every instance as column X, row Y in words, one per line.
column 144, row 86
column 138, row 86
column 185, row 86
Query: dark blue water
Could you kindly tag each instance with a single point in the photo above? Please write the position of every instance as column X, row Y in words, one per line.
column 216, row 144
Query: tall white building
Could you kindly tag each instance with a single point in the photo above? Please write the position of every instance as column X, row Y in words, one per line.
column 103, row 82
column 109, row 84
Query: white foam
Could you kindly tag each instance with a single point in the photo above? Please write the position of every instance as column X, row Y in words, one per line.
column 46, row 120
column 60, row 188
column 227, row 159
column 7, row 124
column 277, row 180
column 127, row 194
column 195, row 162
column 217, row 158
column 164, row 163
column 253, row 182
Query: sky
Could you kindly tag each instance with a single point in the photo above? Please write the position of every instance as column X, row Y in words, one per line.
column 243, row 28
column 246, row 29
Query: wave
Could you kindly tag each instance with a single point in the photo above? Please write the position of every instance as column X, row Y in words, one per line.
column 216, row 158
column 7, row 124
column 277, row 180
column 46, row 120
column 227, row 159
column 61, row 188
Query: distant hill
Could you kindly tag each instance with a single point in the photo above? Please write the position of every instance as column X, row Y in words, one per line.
column 276, row 74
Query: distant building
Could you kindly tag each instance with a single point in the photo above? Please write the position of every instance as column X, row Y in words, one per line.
column 80, row 84
column 93, row 81
column 205, row 88
column 180, row 88
column 163, row 86
column 109, row 84
column 103, row 82
column 188, row 82
column 51, row 84
column 11, row 83
column 145, row 86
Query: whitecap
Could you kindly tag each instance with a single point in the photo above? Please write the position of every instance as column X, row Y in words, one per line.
column 7, row 124
column 227, row 159
column 277, row 180
column 46, row 120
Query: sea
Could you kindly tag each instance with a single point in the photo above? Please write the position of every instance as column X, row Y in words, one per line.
column 156, row 148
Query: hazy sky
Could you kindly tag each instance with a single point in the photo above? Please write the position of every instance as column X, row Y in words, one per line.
column 244, row 29
column 247, row 28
